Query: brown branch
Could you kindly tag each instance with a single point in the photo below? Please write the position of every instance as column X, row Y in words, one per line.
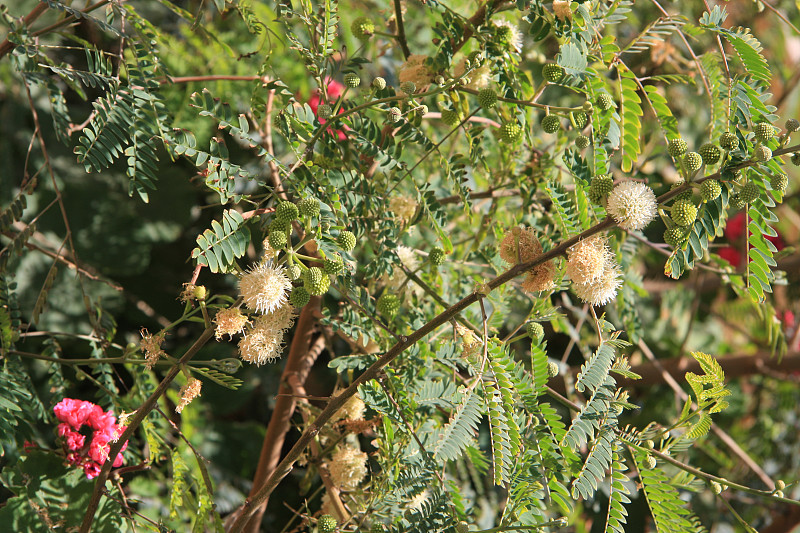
column 401, row 29
column 298, row 364
column 6, row 46
column 213, row 77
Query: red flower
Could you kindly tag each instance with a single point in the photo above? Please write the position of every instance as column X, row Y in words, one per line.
column 334, row 90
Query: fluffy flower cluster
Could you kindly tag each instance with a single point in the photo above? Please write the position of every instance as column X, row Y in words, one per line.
column 602, row 288
column 348, row 467
column 415, row 71
column 561, row 9
column 586, row 261
column 229, row 321
column 403, row 207
column 151, row 346
column 87, row 432
column 189, row 392
column 632, row 204
column 353, row 409
column 520, row 245
column 398, row 278
column 265, row 289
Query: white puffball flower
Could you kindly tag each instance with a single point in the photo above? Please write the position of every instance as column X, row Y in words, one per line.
column 603, row 289
column 632, row 205
column 264, row 288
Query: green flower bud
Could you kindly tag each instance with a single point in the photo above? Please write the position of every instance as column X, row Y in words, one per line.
column 779, row 182
column 710, row 190
column 346, row 240
column 710, row 153
column 535, row 331
column 510, row 132
column 388, row 304
column 299, row 297
column 764, row 131
column 605, row 101
column 379, row 84
column 362, row 28
column 327, row 524
column 677, row 147
column 551, row 124
column 749, row 192
column 408, row 87
column 692, row 162
column 684, row 213
column 582, row 141
column 352, row 80
column 552, row 72
column 308, row 207
column 762, row 154
column 437, row 256
column 286, row 212
column 487, row 98
column 316, row 282
column 277, row 239
column 729, row 141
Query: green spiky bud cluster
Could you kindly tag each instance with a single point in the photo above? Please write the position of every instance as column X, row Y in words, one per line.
column 395, row 114
column 352, row 80
column 552, row 369
column 684, row 213
column 408, row 87
column 316, row 281
column 332, row 265
column 762, row 154
column 729, row 141
column 650, row 462
column 605, row 101
column 600, row 186
column 764, row 131
column 716, row 488
column 749, row 192
column 388, row 304
column 377, row 527
column 324, row 111
column 379, row 84
column 795, row 159
column 552, row 72
column 792, row 125
column 677, row 147
column 299, row 297
column 437, row 256
column 582, row 141
column 277, row 239
column 308, row 207
column 588, row 107
column 580, row 119
column 422, row 110
column 462, row 527
column 286, row 213
column 779, row 182
column 450, row 117
column 551, row 124
column 675, row 236
column 487, row 98
column 510, row 132
column 692, row 162
column 327, row 524
column 710, row 190
column 710, row 153
column 294, row 272
column 362, row 28
column 737, row 202
column 278, row 225
column 535, row 331
column 346, row 240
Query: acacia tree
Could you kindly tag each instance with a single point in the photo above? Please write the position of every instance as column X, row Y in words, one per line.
column 407, row 267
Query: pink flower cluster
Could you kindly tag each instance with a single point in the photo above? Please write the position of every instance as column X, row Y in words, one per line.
column 334, row 90
column 101, row 429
